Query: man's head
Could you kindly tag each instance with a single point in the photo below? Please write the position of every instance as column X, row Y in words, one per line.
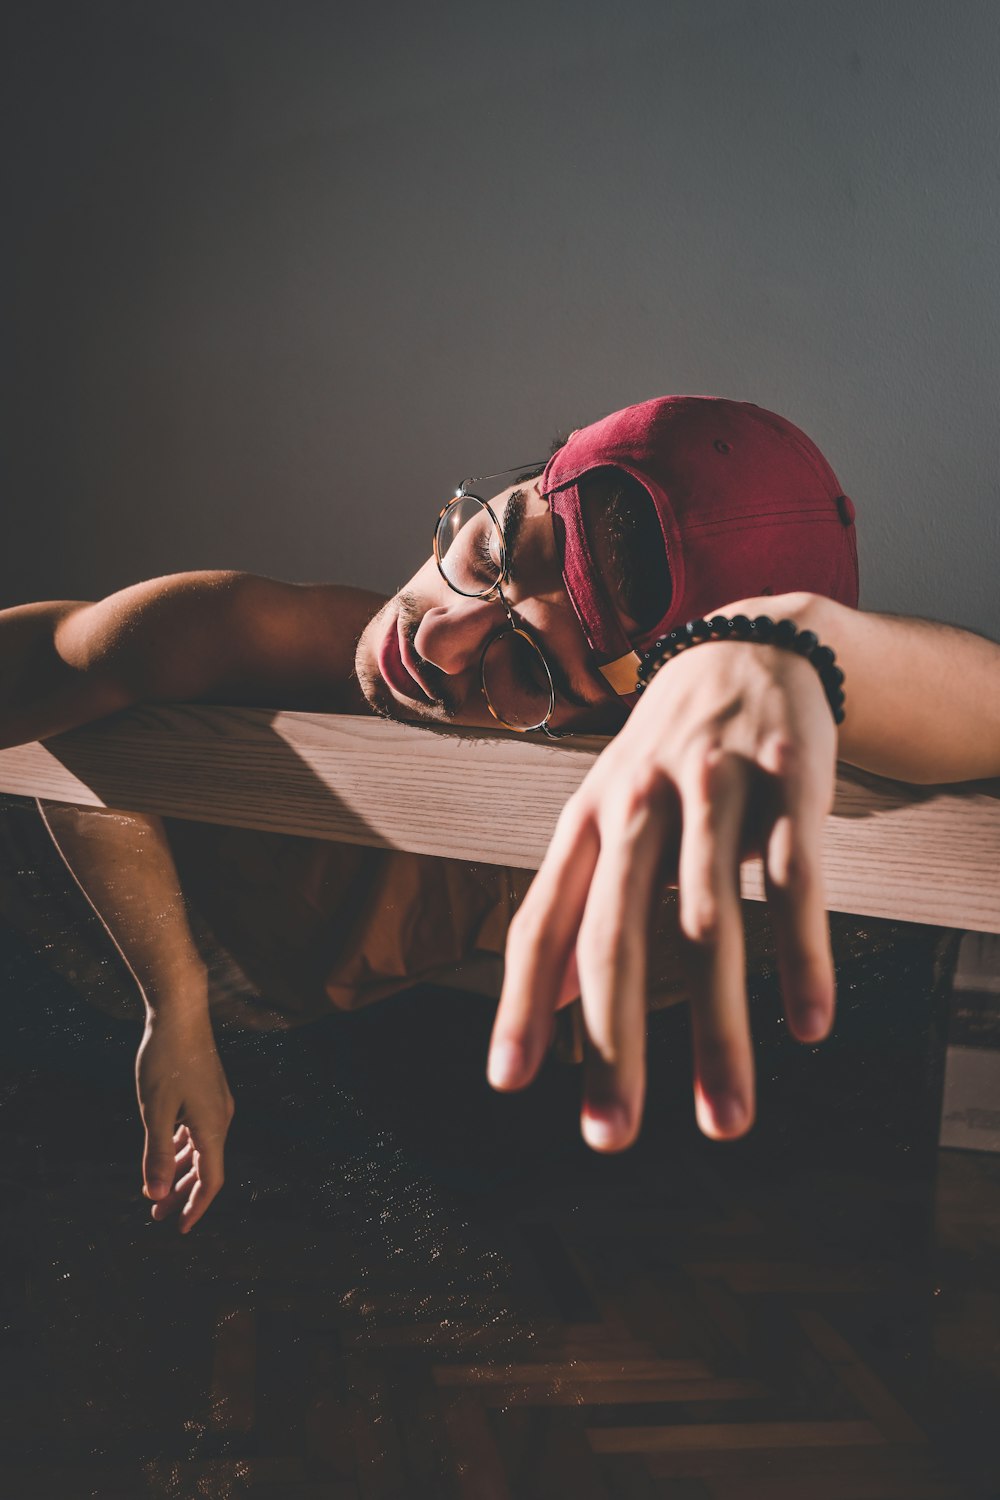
column 650, row 517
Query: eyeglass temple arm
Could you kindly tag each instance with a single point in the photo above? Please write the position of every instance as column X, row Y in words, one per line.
column 517, row 469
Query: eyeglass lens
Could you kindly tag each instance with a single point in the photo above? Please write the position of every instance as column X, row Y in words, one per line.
column 515, row 679
column 469, row 547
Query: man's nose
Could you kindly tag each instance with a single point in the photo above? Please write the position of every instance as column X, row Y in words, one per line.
column 452, row 636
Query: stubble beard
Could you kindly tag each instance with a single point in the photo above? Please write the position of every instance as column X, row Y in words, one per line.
column 377, row 692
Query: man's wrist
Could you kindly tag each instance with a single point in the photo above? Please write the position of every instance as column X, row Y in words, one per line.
column 177, row 1000
column 802, row 607
column 738, row 623
column 823, row 616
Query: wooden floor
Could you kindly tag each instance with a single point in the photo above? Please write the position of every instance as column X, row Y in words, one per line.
column 414, row 1288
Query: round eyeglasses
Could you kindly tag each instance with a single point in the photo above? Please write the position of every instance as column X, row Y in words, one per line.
column 471, row 552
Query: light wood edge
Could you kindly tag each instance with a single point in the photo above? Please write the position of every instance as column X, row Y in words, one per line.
column 924, row 854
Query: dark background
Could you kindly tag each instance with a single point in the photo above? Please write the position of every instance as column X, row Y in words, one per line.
column 276, row 276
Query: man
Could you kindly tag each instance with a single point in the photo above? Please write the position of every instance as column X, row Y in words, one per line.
column 731, row 752
column 652, row 516
column 531, row 610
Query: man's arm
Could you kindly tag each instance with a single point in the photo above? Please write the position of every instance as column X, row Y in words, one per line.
column 189, row 637
column 922, row 699
column 222, row 637
column 123, row 865
column 730, row 752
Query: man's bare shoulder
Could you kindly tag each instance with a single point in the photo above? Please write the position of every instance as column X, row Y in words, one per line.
column 225, row 637
column 296, row 643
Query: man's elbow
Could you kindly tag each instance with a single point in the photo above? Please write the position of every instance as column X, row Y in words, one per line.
column 166, row 640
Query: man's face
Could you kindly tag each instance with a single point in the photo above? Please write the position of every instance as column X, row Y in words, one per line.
column 419, row 658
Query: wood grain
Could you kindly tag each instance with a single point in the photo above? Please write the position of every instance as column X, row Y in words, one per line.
column 925, row 854
column 733, row 1436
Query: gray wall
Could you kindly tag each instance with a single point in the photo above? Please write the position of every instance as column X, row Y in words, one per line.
column 279, row 274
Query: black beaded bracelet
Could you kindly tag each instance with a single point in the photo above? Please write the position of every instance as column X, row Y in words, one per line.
column 783, row 633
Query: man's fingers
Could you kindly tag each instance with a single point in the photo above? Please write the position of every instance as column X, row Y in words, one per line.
column 539, row 945
column 182, row 1158
column 794, row 885
column 193, row 1192
column 720, row 1028
column 713, row 807
column 158, row 1157
column 206, row 1187
column 611, row 956
column 176, row 1196
column 569, row 989
column 196, row 1205
column 196, row 1169
column 714, row 801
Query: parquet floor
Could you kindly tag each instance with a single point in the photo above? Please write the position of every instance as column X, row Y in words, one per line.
column 414, row 1288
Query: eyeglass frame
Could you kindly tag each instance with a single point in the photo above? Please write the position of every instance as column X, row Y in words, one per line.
column 464, row 493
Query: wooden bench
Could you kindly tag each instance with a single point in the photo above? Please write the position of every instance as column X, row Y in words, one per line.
column 910, row 853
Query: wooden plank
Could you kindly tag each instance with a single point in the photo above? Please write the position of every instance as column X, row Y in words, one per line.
column 925, row 854
column 748, row 1277
column 378, row 1457
column 570, row 1392
column 478, row 1468
column 890, row 1417
column 234, row 1364
column 580, row 1371
column 718, row 1469
column 498, row 1341
column 837, row 1487
column 564, row 1464
column 733, row 1437
column 125, row 1481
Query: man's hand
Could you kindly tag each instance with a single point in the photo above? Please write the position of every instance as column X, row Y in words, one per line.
column 731, row 751
column 124, row 867
column 186, row 1109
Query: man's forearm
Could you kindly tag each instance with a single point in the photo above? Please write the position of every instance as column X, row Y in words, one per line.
column 922, row 698
column 123, row 864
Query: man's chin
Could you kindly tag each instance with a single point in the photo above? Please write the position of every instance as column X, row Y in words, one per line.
column 380, row 697
column 383, row 701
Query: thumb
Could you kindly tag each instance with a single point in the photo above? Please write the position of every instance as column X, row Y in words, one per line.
column 158, row 1157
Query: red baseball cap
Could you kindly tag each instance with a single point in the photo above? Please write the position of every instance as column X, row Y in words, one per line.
column 746, row 502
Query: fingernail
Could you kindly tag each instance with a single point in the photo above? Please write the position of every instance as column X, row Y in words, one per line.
column 607, row 1129
column 158, row 1189
column 506, row 1065
column 812, row 1023
column 729, row 1113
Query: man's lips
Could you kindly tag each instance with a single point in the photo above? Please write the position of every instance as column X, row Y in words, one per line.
column 396, row 669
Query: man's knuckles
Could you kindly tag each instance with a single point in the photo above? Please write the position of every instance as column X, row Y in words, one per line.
column 780, row 755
